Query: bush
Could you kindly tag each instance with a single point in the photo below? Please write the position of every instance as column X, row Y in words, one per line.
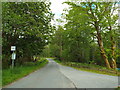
column 6, row 61
column 28, row 64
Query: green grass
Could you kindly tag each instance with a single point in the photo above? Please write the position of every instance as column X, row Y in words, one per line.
column 57, row 61
column 11, row 75
column 97, row 71
column 117, row 88
column 0, row 78
column 90, row 68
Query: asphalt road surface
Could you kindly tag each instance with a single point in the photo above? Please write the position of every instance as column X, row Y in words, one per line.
column 54, row 75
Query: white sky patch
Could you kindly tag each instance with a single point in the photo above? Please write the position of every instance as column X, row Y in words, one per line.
column 57, row 8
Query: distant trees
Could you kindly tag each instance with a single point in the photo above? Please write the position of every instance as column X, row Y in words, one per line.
column 27, row 26
column 90, row 34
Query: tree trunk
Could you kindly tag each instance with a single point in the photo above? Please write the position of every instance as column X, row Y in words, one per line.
column 113, row 53
column 100, row 43
column 113, row 45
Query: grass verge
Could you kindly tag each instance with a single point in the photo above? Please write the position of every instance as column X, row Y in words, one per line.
column 90, row 68
column 11, row 75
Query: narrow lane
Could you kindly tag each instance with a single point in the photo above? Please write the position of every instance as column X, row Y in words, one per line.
column 54, row 75
column 47, row 77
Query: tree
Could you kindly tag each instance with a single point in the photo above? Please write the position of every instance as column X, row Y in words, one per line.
column 102, row 20
column 57, row 43
column 69, row 41
column 27, row 26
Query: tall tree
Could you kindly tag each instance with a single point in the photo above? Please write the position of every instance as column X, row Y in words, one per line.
column 26, row 25
column 101, row 19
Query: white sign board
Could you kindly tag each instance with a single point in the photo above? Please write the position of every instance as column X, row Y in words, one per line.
column 13, row 56
column 13, row 48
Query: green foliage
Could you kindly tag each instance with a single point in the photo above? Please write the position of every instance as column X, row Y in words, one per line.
column 78, row 40
column 58, row 61
column 54, row 50
column 10, row 75
column 117, row 88
column 46, row 52
column 27, row 26
column 90, row 68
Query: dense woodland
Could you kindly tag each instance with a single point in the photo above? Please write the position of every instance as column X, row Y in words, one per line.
column 26, row 26
column 90, row 33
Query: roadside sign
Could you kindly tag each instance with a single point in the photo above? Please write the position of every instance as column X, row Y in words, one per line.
column 13, row 56
column 13, row 48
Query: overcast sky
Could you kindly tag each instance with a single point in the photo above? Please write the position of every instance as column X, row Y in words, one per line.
column 57, row 8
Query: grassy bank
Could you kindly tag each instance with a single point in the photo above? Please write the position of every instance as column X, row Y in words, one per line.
column 11, row 75
column 117, row 88
column 90, row 68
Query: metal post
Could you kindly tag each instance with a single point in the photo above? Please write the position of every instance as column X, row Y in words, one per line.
column 12, row 60
column 12, row 63
column 13, row 48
